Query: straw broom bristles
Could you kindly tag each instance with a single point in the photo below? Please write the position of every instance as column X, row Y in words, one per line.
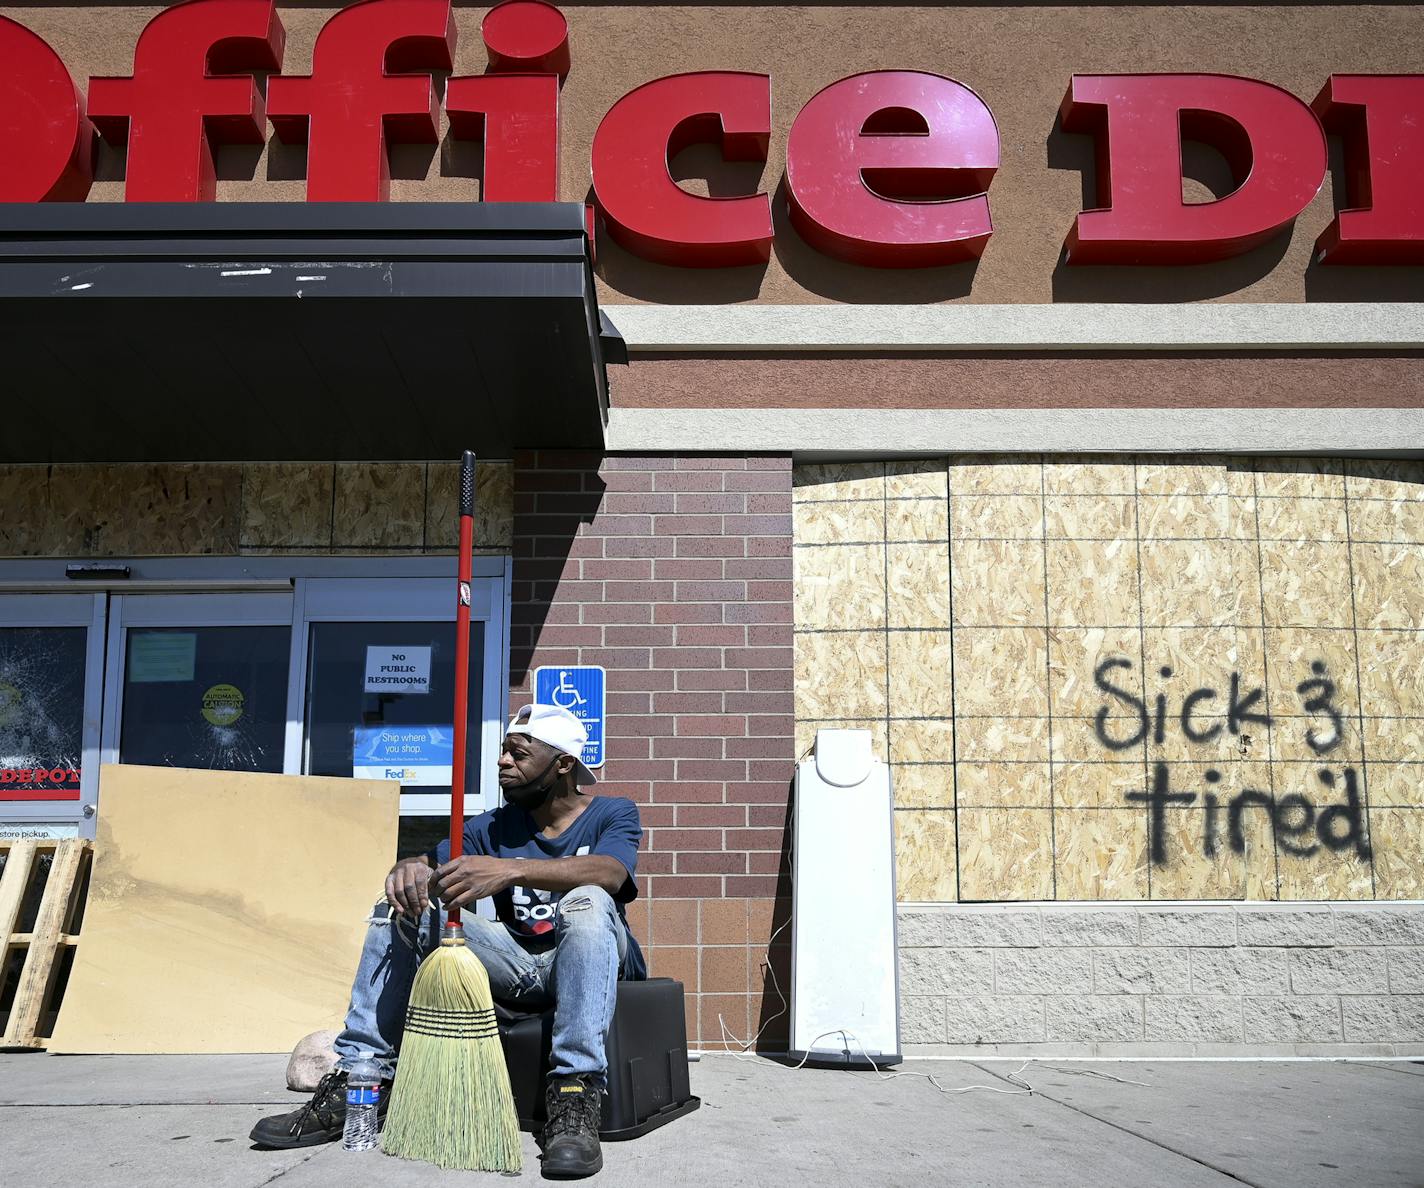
column 451, row 1104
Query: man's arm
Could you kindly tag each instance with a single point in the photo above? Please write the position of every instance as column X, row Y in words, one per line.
column 476, row 877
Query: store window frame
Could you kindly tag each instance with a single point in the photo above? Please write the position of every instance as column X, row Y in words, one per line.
column 128, row 611
column 409, row 600
column 239, row 591
column 69, row 609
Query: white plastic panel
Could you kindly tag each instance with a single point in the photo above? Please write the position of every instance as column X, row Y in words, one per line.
column 843, row 972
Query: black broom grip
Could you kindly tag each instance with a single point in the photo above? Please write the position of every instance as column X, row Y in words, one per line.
column 467, row 483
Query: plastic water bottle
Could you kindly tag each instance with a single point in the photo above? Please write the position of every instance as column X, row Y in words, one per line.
column 363, row 1096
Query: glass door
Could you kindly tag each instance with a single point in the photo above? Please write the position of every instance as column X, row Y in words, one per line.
column 378, row 686
column 200, row 680
column 51, row 693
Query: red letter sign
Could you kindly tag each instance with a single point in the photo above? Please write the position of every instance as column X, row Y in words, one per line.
column 1272, row 141
column 890, row 169
column 369, row 87
column 649, row 213
column 517, row 117
column 45, row 141
column 514, row 109
column 175, row 106
column 526, row 36
column 1381, row 118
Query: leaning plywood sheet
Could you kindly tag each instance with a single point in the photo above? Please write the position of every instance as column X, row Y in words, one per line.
column 226, row 909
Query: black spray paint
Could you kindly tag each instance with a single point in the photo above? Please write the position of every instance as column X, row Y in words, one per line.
column 1298, row 826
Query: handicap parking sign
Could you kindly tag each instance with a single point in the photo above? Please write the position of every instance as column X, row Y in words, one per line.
column 578, row 688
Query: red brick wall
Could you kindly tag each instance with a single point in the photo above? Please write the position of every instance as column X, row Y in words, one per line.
column 675, row 575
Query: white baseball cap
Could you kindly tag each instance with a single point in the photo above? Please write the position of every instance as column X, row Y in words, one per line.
column 560, row 729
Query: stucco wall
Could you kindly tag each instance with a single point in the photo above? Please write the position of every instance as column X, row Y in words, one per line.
column 1019, row 59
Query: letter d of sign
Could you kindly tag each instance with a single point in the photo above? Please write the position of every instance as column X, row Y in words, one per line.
column 647, row 212
column 177, row 104
column 1272, row 141
column 892, row 168
column 1381, row 119
column 45, row 142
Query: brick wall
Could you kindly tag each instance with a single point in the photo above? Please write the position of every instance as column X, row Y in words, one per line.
column 1310, row 979
column 675, row 575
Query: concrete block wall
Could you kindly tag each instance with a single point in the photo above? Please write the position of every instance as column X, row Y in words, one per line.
column 1306, row 979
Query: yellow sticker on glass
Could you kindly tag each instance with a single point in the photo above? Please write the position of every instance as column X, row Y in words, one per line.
column 223, row 704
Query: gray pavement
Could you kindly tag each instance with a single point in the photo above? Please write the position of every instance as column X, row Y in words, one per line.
column 155, row 1121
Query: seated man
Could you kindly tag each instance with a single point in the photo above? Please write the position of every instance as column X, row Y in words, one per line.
column 559, row 866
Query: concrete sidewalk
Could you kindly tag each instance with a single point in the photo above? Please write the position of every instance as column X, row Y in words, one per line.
column 156, row 1121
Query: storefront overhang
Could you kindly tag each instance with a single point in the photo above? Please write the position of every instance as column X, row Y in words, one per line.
column 270, row 331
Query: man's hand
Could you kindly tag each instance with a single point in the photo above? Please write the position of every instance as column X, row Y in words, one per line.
column 408, row 887
column 471, row 877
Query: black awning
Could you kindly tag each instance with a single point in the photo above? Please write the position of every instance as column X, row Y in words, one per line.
column 248, row 331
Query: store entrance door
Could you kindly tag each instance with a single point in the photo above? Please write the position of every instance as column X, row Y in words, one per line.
column 378, row 684
column 51, row 692
column 344, row 667
column 199, row 680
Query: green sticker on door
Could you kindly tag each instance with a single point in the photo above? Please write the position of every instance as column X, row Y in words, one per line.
column 156, row 656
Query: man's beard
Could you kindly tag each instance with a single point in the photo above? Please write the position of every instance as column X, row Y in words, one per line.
column 535, row 792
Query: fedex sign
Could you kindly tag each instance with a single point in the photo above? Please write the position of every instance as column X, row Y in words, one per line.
column 887, row 168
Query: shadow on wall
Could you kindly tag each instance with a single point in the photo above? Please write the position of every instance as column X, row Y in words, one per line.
column 701, row 170
column 772, row 1020
column 1207, row 177
column 549, row 506
column 1343, row 282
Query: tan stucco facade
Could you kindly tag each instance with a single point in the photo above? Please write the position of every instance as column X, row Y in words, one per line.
column 1019, row 60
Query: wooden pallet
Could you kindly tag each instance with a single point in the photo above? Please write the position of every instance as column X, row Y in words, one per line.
column 37, row 953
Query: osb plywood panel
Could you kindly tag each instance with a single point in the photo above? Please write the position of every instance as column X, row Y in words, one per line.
column 287, row 504
column 189, row 509
column 205, row 934
column 124, row 510
column 1127, row 678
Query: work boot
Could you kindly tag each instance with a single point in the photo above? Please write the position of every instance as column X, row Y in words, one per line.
column 575, row 1108
column 321, row 1120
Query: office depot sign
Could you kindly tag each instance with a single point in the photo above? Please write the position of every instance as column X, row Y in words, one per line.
column 889, row 168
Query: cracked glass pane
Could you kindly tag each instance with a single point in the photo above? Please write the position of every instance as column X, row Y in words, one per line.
column 41, row 712
column 205, row 697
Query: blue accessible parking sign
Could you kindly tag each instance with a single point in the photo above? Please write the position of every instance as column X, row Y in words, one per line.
column 578, row 688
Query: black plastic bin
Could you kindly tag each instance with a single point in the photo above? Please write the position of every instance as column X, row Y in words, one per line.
column 647, row 1060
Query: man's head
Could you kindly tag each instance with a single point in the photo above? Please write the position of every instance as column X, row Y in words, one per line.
column 540, row 756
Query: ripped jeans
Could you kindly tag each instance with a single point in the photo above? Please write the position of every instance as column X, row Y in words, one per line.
column 579, row 976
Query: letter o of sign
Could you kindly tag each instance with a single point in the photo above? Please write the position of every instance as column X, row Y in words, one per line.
column 45, row 140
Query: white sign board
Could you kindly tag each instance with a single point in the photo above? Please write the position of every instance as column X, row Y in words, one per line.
column 398, row 670
column 35, row 831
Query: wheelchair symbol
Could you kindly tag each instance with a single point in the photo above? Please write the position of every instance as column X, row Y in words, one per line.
column 565, row 696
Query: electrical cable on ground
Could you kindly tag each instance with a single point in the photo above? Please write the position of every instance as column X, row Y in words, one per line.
column 730, row 1038
column 880, row 1074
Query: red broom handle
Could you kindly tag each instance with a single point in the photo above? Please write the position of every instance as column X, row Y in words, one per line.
column 462, row 662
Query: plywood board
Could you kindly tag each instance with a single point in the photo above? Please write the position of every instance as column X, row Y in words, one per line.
column 226, row 909
column 1215, row 590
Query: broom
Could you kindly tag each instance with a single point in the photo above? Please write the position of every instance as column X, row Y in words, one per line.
column 451, row 1104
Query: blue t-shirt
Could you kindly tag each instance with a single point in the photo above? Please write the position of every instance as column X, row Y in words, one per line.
column 608, row 825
